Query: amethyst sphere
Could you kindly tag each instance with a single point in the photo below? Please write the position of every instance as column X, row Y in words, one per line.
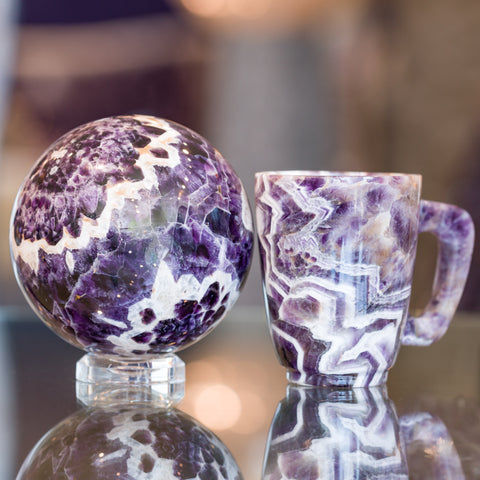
column 131, row 235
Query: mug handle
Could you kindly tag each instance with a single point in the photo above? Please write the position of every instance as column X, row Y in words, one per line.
column 454, row 230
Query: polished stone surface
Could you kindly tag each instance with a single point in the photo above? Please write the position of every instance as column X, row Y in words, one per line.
column 337, row 254
column 131, row 235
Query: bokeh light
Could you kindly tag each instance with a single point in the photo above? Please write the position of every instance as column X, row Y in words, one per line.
column 218, row 407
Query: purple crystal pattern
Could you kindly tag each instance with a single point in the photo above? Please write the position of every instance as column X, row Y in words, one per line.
column 348, row 434
column 455, row 230
column 337, row 254
column 131, row 235
column 131, row 444
column 344, row 434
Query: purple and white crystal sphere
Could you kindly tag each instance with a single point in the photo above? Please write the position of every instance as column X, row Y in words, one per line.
column 131, row 235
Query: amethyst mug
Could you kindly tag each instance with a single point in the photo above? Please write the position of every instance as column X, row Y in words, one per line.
column 337, row 255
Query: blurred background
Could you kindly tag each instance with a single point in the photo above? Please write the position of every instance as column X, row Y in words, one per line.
column 310, row 84
column 300, row 84
column 274, row 84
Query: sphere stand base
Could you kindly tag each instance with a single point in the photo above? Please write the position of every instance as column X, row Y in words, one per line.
column 106, row 381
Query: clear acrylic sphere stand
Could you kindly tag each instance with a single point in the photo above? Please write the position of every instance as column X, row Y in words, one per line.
column 104, row 381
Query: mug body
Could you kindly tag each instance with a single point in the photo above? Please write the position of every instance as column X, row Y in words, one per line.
column 337, row 253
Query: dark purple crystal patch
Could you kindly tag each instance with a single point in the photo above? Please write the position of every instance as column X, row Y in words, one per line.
column 131, row 235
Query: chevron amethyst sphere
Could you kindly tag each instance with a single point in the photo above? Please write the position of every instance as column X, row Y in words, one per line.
column 131, row 235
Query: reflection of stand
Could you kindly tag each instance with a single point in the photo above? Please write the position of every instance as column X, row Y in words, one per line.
column 105, row 381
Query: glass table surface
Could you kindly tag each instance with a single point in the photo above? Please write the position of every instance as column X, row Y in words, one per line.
column 425, row 424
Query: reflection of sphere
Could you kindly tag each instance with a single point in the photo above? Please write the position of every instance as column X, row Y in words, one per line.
column 131, row 235
column 130, row 444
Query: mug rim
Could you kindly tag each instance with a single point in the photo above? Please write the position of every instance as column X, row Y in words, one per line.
column 333, row 173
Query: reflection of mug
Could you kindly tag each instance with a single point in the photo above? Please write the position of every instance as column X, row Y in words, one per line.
column 337, row 252
column 429, row 449
column 322, row 433
column 140, row 443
